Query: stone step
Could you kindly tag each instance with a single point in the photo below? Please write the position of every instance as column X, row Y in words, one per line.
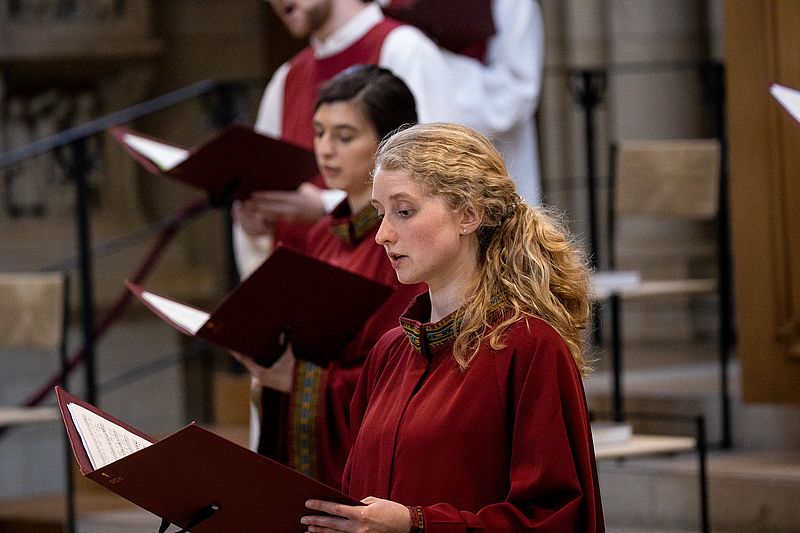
column 746, row 492
column 753, row 486
column 119, row 521
column 682, row 390
column 47, row 513
column 688, row 389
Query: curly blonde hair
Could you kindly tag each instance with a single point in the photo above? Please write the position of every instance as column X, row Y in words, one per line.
column 526, row 255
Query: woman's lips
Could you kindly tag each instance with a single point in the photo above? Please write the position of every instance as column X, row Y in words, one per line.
column 330, row 171
column 396, row 259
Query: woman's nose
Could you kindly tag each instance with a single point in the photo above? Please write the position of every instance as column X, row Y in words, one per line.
column 385, row 234
column 324, row 145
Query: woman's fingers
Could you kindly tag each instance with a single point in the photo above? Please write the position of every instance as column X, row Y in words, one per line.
column 331, row 508
column 339, row 519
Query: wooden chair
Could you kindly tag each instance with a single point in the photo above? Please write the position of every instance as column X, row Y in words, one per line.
column 660, row 182
column 655, row 182
column 34, row 316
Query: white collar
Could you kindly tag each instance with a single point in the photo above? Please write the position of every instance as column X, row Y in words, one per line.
column 348, row 34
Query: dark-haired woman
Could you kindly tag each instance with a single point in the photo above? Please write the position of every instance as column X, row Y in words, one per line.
column 305, row 407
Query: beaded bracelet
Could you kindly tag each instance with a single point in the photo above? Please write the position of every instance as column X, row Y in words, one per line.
column 417, row 519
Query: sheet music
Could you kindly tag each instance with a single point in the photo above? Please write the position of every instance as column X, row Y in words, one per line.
column 788, row 98
column 166, row 157
column 103, row 440
column 189, row 318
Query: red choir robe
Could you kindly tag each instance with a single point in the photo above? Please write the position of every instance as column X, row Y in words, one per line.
column 305, row 77
column 309, row 429
column 505, row 446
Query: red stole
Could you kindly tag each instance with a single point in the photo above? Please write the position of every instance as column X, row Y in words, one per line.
column 307, row 73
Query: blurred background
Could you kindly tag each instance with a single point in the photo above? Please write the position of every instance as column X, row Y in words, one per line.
column 615, row 70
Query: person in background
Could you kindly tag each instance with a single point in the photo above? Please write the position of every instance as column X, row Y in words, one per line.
column 341, row 33
column 305, row 407
column 471, row 415
column 498, row 94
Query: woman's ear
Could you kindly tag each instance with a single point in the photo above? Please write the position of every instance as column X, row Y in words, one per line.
column 471, row 219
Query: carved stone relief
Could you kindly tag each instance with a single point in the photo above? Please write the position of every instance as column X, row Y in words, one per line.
column 63, row 10
column 40, row 187
column 61, row 65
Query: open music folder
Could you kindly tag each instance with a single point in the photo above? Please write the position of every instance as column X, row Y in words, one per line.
column 193, row 478
column 320, row 307
column 230, row 165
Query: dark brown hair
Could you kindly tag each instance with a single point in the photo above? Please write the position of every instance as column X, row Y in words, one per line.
column 383, row 97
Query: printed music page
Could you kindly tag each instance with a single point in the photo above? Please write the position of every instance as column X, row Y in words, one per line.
column 103, row 440
column 189, row 318
column 166, row 157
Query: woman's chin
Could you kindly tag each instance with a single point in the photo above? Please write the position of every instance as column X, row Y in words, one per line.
column 330, row 182
column 405, row 278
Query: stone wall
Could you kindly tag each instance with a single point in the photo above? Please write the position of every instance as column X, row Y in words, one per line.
column 650, row 55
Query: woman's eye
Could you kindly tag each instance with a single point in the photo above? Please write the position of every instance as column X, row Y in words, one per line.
column 404, row 213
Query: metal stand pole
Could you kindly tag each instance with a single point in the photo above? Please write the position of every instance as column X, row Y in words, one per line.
column 80, row 170
column 70, row 526
column 616, row 361
column 705, row 524
column 587, row 87
column 713, row 77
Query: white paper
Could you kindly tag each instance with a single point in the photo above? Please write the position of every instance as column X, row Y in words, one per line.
column 189, row 318
column 331, row 198
column 103, row 440
column 611, row 280
column 788, row 98
column 605, row 433
column 166, row 157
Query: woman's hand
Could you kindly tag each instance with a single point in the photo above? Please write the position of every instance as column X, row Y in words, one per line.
column 253, row 221
column 377, row 516
column 304, row 204
column 279, row 376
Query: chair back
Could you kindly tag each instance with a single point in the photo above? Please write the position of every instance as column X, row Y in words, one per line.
column 32, row 309
column 662, row 181
column 667, row 178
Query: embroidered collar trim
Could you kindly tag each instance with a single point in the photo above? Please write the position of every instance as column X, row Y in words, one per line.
column 437, row 335
column 352, row 228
